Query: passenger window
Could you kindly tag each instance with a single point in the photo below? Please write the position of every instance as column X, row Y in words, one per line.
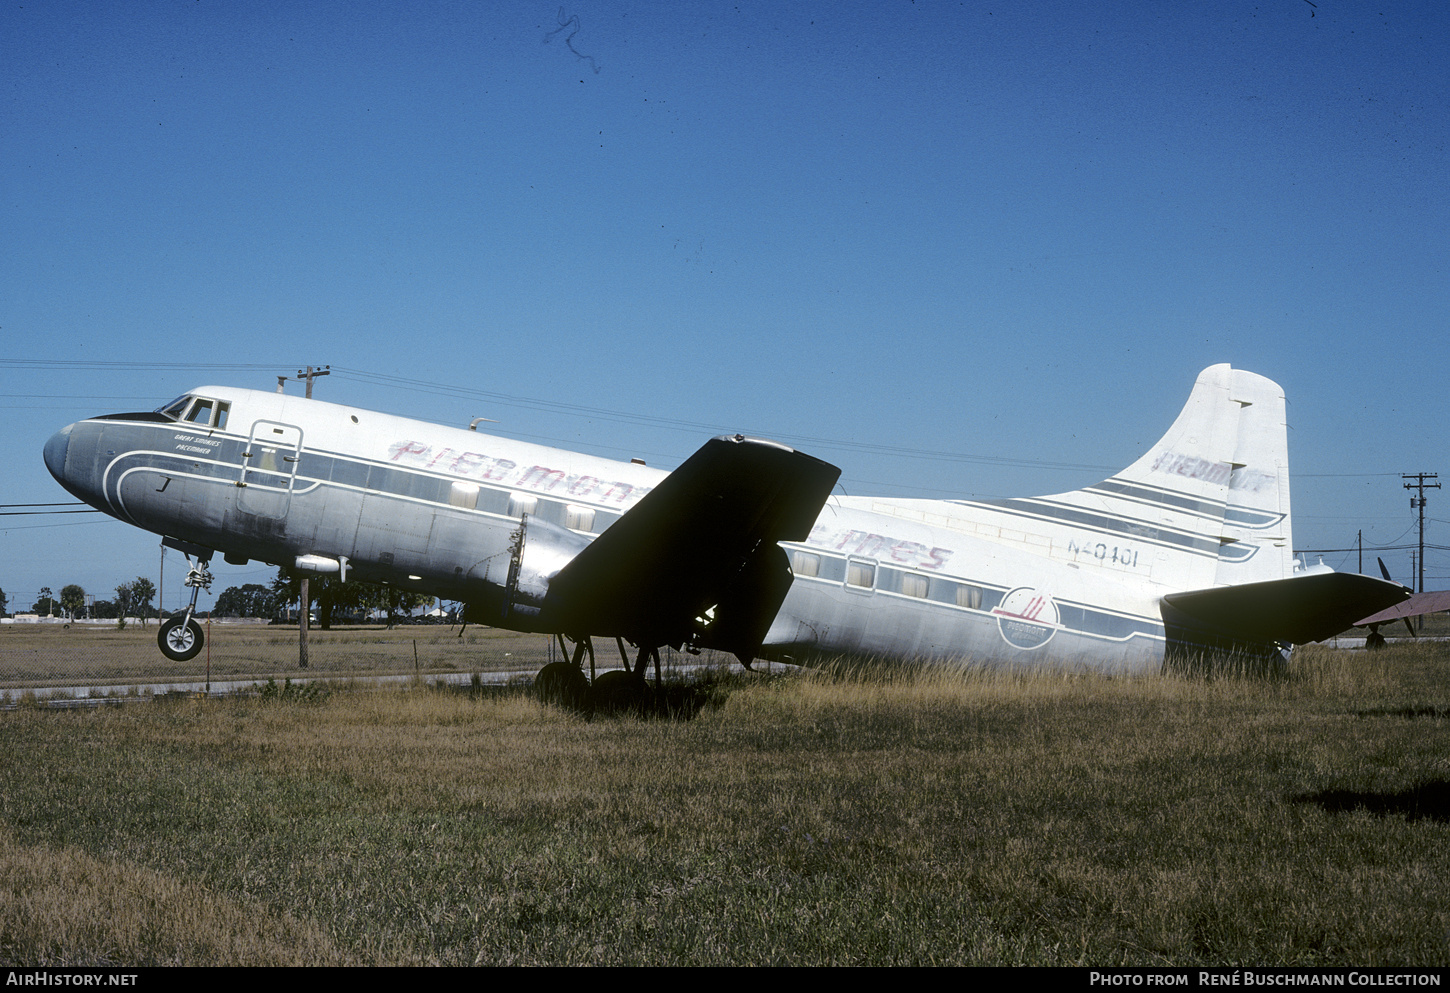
column 861, row 574
column 521, row 505
column 913, row 585
column 492, row 501
column 805, row 564
column 579, row 518
column 463, row 495
column 969, row 596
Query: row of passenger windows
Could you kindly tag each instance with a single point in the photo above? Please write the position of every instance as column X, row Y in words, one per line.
column 455, row 493
column 204, row 412
column 471, row 496
column 863, row 574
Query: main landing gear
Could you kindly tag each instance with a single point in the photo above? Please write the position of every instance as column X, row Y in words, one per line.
column 180, row 638
column 615, row 691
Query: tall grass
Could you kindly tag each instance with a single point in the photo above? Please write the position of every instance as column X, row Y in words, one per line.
column 868, row 815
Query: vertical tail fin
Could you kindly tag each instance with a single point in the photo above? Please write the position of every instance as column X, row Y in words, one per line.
column 1207, row 506
column 1212, row 496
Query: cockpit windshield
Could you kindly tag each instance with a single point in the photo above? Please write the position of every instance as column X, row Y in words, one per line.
column 175, row 408
column 201, row 411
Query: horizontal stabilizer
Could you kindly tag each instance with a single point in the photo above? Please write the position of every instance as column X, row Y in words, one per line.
column 698, row 555
column 1303, row 608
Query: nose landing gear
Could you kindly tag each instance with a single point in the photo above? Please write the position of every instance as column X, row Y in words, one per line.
column 180, row 638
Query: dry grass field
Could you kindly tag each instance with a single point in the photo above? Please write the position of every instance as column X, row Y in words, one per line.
column 887, row 817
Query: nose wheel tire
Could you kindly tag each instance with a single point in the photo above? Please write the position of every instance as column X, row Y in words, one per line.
column 180, row 639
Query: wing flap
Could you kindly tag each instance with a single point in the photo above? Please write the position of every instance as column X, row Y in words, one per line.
column 698, row 552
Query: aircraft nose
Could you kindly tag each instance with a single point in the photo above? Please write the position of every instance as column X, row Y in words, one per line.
column 55, row 450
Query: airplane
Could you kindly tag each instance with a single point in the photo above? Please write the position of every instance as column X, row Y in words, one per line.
column 1417, row 605
column 743, row 548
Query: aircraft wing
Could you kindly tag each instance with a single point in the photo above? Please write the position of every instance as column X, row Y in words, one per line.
column 696, row 559
column 1420, row 603
column 1297, row 610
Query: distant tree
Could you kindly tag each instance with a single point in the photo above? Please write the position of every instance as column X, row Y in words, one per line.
column 251, row 600
column 104, row 610
column 143, row 591
column 404, row 602
column 72, row 600
column 331, row 596
column 3, row 600
column 392, row 601
column 45, row 606
column 325, row 591
column 123, row 600
column 285, row 590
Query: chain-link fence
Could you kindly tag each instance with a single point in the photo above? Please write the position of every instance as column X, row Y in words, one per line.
column 38, row 656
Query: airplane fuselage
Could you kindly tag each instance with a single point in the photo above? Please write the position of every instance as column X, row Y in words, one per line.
column 275, row 478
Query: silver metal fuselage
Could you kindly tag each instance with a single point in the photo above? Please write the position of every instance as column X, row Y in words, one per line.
column 437, row 510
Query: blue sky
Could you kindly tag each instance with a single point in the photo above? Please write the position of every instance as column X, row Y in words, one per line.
column 1011, row 233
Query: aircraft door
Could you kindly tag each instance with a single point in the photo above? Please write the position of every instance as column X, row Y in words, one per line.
column 269, row 468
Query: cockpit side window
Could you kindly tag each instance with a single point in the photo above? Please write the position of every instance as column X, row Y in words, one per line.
column 200, row 412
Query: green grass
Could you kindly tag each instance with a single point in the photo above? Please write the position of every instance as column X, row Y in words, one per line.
column 879, row 817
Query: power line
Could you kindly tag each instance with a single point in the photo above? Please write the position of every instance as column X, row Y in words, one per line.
column 9, row 509
column 599, row 413
column 71, row 503
column 651, row 420
column 106, row 364
column 33, row 513
column 72, row 524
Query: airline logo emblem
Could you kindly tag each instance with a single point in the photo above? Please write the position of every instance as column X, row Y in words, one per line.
column 1027, row 618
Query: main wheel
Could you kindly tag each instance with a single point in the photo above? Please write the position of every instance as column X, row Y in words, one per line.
column 561, row 683
column 619, row 691
column 180, row 642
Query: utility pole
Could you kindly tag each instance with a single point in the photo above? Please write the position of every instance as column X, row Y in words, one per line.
column 1419, row 503
column 306, row 375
